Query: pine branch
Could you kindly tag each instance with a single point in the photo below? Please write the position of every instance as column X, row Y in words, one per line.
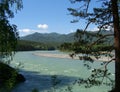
column 108, row 63
column 105, row 24
column 87, row 25
column 87, row 6
column 106, row 70
column 102, row 37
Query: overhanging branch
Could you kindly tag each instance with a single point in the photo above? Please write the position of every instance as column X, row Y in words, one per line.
column 102, row 37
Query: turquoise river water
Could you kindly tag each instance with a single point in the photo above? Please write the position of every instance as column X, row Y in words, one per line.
column 38, row 71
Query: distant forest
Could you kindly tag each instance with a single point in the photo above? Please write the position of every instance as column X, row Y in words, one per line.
column 31, row 46
column 51, row 41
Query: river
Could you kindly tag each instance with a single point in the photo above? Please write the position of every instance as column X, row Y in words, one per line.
column 39, row 72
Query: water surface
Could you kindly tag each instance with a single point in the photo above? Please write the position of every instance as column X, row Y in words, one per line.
column 39, row 70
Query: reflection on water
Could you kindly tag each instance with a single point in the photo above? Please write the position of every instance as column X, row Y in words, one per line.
column 38, row 71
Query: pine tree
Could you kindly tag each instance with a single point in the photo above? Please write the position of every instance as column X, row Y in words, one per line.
column 104, row 17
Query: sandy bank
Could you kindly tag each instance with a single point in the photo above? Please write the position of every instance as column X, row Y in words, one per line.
column 66, row 56
column 54, row 55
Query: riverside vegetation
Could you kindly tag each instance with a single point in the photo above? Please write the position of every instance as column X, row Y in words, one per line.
column 55, row 41
column 9, row 76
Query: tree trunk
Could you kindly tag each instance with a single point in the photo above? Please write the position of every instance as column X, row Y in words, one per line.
column 116, row 44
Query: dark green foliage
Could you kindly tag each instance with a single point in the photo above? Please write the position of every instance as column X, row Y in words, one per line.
column 8, row 41
column 100, row 15
column 30, row 46
column 35, row 90
column 7, row 10
column 97, row 44
column 8, row 38
column 66, row 47
column 9, row 77
column 8, row 32
column 84, row 43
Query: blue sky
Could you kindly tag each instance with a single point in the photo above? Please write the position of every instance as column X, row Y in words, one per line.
column 45, row 16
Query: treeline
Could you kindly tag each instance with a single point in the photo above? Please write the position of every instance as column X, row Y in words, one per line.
column 86, row 42
column 79, row 47
column 24, row 45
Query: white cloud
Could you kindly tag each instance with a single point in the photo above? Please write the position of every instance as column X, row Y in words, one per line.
column 42, row 29
column 23, row 32
column 42, row 26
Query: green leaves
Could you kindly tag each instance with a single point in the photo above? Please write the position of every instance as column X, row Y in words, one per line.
column 8, row 37
column 8, row 32
column 90, row 46
column 7, row 8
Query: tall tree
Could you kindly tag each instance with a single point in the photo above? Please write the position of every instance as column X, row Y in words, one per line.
column 105, row 17
column 116, row 23
column 8, row 32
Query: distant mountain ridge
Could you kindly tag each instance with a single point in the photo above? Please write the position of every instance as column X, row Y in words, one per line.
column 49, row 38
column 56, row 39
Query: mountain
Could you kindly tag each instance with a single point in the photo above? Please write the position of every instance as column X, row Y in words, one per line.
column 49, row 38
column 54, row 40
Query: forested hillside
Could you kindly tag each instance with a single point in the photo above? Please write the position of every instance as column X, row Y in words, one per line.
column 49, row 37
column 50, row 41
column 24, row 45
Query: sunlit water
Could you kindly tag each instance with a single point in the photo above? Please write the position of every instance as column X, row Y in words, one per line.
column 38, row 71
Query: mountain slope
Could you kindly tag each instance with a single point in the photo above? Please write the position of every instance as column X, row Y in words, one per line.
column 49, row 38
column 55, row 39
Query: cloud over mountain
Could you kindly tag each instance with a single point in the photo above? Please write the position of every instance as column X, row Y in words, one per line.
column 42, row 26
column 27, row 31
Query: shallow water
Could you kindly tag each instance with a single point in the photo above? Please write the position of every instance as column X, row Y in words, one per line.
column 38, row 72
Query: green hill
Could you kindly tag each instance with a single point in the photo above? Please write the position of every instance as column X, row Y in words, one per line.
column 49, row 37
column 51, row 41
